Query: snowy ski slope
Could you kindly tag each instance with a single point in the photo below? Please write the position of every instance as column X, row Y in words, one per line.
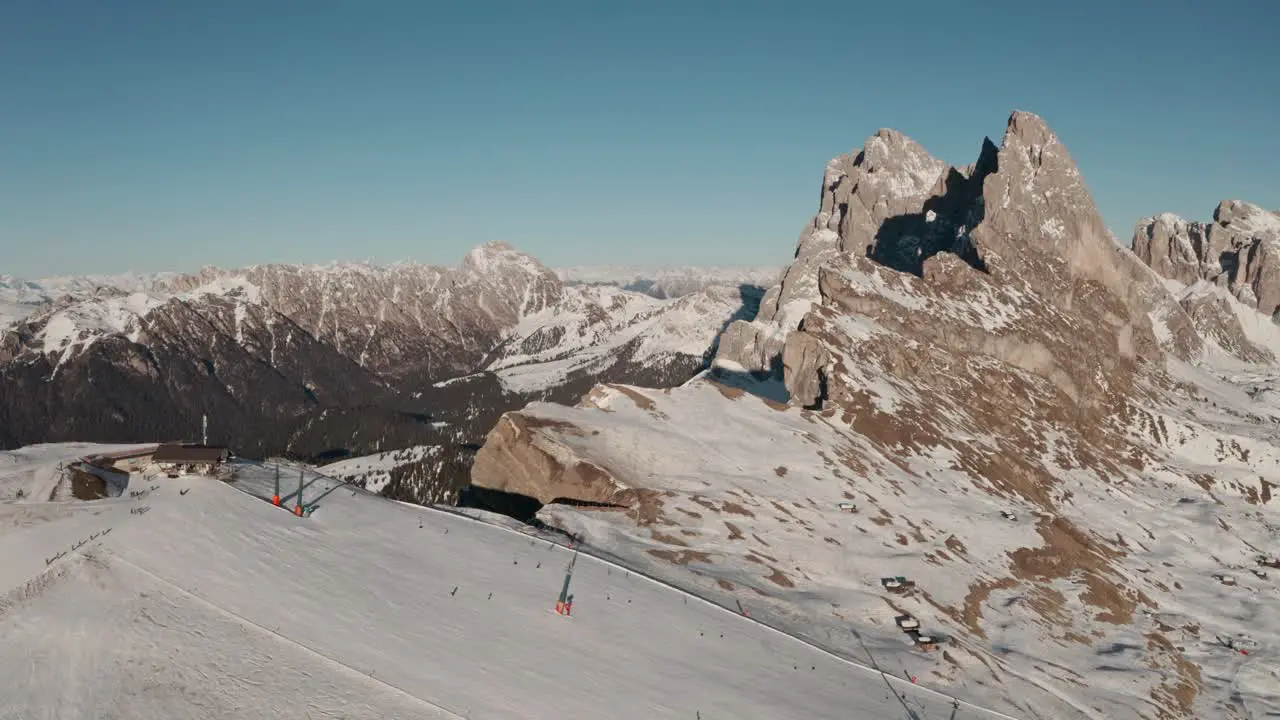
column 216, row 604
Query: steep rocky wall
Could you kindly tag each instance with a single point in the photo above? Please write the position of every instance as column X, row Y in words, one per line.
column 1239, row 251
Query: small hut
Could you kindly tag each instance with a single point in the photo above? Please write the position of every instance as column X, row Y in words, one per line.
column 907, row 623
column 177, row 459
column 899, row 585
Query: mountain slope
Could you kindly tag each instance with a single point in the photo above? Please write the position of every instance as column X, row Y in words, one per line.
column 1020, row 415
column 214, row 603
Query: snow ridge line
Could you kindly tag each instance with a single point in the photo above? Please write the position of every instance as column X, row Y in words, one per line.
column 440, row 710
column 604, row 559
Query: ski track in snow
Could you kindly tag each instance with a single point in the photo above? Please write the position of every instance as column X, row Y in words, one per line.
column 217, row 601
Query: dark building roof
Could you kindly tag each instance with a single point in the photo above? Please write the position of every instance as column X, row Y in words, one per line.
column 190, row 454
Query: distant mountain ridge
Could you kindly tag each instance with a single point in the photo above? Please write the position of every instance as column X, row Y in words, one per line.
column 668, row 282
column 325, row 361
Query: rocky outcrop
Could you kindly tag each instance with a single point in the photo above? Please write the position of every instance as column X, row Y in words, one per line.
column 1017, row 232
column 1020, row 211
column 519, row 459
column 891, row 176
column 1214, row 318
column 1239, row 251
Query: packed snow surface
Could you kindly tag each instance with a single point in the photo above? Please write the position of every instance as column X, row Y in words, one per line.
column 195, row 600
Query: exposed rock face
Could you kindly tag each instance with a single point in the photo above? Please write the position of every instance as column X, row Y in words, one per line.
column 1214, row 318
column 515, row 461
column 950, row 342
column 1021, row 210
column 1017, row 227
column 892, row 176
column 323, row 362
column 1239, row 250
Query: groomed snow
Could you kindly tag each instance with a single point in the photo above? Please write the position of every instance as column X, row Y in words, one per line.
column 216, row 604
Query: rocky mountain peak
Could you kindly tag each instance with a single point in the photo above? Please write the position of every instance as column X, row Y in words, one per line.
column 950, row 351
column 1238, row 251
column 1247, row 218
column 1020, row 213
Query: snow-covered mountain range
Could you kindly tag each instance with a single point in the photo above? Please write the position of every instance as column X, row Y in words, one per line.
column 963, row 380
column 327, row 361
column 669, row 282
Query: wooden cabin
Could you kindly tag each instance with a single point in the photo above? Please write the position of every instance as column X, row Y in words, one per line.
column 200, row 459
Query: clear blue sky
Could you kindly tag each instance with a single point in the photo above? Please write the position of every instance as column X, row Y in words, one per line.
column 165, row 135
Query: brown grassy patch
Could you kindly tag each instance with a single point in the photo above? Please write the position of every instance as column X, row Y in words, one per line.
column 736, row 509
column 641, row 401
column 681, row 557
column 970, row 613
column 956, row 546
column 916, row 534
column 770, row 402
column 1049, row 604
column 831, row 541
column 903, row 539
column 690, row 513
column 731, row 393
column 533, row 422
column 668, row 539
column 704, row 502
column 780, row 578
column 725, row 584
column 734, row 532
column 1180, row 693
column 780, row 471
column 645, row 506
column 759, row 539
column 1068, row 551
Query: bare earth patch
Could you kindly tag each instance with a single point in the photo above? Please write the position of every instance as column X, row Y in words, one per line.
column 681, row 557
column 779, row 578
column 1068, row 551
column 1180, row 691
